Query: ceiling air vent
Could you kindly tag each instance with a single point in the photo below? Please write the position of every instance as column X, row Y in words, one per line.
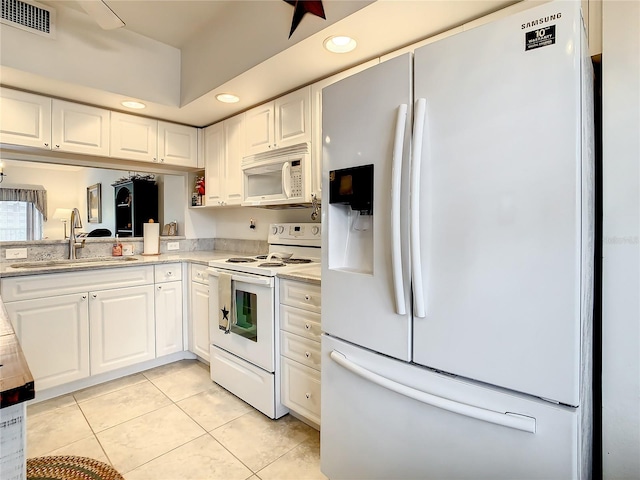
column 29, row 16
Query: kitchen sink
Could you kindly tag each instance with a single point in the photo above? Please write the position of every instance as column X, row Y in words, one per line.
column 78, row 261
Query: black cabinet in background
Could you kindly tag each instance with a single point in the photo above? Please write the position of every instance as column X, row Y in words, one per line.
column 136, row 202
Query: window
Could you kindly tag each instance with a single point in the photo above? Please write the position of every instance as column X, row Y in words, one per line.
column 19, row 221
column 23, row 208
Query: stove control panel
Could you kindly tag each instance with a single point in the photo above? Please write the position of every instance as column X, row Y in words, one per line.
column 295, row 234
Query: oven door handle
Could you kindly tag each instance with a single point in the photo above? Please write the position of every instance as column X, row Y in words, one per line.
column 255, row 280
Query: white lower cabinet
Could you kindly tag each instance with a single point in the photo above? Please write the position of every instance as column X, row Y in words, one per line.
column 76, row 324
column 122, row 327
column 54, row 335
column 300, row 331
column 168, row 308
column 199, row 323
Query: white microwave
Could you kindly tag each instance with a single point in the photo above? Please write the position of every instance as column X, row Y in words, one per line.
column 278, row 177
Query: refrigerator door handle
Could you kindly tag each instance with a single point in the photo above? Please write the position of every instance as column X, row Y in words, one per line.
column 419, row 309
column 507, row 419
column 396, row 179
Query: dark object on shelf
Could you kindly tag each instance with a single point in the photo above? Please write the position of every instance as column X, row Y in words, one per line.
column 136, row 202
column 99, row 232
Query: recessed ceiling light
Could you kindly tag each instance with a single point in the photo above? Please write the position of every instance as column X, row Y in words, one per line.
column 340, row 44
column 227, row 98
column 132, row 104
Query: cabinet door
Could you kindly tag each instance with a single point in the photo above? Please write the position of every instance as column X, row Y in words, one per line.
column 214, row 153
column 177, row 144
column 122, row 327
column 234, row 142
column 79, row 128
column 25, row 119
column 200, row 320
column 54, row 335
column 259, row 129
column 293, row 118
column 134, row 138
column 168, row 303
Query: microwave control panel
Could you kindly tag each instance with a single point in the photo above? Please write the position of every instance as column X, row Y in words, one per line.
column 296, row 179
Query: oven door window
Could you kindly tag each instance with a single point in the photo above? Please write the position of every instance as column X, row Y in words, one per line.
column 245, row 323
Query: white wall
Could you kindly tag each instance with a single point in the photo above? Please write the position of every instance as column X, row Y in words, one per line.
column 621, row 259
column 233, row 222
column 117, row 61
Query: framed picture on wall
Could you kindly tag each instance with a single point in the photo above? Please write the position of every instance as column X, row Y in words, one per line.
column 94, row 203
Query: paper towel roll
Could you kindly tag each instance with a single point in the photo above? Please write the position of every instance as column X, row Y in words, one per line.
column 151, row 234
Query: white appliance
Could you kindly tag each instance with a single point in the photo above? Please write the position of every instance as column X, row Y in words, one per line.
column 243, row 355
column 280, row 177
column 457, row 261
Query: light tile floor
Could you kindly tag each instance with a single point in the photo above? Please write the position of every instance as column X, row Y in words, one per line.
column 173, row 422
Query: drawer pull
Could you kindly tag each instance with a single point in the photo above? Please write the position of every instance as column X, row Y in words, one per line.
column 307, row 297
column 307, row 354
column 169, row 274
column 307, row 326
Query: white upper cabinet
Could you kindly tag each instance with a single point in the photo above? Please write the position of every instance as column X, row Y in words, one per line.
column 281, row 123
column 25, row 119
column 79, row 128
column 177, row 144
column 149, row 140
column 234, row 133
column 223, row 150
column 133, row 137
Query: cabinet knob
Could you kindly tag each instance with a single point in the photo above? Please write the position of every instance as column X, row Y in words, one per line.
column 94, row 295
column 307, row 354
column 57, row 146
column 307, row 395
column 84, row 297
column 307, row 297
column 162, row 160
column 46, row 145
column 159, row 287
column 155, row 159
column 307, row 326
column 169, row 274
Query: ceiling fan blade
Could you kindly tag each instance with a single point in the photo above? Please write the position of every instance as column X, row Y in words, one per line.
column 101, row 14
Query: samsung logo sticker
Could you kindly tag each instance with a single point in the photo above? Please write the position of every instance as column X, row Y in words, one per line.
column 541, row 20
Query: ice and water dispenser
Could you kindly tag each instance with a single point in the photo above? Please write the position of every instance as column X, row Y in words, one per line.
column 350, row 219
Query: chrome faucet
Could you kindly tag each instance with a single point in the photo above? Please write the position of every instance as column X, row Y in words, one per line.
column 76, row 222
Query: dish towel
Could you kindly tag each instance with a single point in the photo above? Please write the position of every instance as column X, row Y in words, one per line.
column 225, row 302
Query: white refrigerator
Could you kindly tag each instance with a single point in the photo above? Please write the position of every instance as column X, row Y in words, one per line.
column 457, row 262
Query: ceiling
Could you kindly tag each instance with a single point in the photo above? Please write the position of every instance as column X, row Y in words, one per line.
column 243, row 47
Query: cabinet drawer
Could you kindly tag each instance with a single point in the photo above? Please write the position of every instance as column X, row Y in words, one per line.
column 300, row 294
column 168, row 272
column 301, row 322
column 300, row 349
column 53, row 284
column 199, row 273
column 300, row 389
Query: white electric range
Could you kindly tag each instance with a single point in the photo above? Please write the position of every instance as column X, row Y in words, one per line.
column 243, row 316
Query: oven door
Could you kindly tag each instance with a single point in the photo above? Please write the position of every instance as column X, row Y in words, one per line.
column 251, row 335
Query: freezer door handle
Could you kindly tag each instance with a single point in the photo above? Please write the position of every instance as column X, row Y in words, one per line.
column 419, row 309
column 507, row 419
column 396, row 179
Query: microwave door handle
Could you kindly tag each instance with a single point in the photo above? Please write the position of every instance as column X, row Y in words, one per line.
column 286, row 179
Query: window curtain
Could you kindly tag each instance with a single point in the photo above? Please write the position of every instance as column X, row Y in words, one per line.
column 35, row 194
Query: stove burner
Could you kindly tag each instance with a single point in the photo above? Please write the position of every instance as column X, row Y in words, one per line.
column 241, row 260
column 271, row 264
column 296, row 261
